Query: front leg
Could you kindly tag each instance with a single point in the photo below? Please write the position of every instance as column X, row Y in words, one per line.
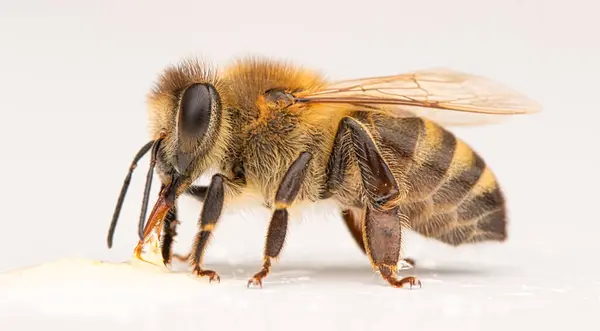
column 285, row 196
column 170, row 232
column 198, row 193
column 211, row 212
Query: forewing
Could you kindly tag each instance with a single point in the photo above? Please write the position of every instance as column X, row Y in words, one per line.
column 444, row 95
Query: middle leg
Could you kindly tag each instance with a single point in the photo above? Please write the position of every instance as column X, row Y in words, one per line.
column 286, row 194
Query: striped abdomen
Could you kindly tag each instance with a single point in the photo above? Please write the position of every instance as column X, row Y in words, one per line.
column 448, row 192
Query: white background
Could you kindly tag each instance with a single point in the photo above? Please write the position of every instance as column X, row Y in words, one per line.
column 73, row 81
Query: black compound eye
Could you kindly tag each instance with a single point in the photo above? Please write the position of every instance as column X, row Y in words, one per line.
column 193, row 121
column 194, row 112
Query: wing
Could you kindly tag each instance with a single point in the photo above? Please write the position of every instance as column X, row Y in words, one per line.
column 443, row 95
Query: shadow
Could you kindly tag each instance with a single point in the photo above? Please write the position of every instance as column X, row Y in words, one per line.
column 302, row 273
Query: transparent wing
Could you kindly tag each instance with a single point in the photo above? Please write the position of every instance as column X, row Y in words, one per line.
column 444, row 95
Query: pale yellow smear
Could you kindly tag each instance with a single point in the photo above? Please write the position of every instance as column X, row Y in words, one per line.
column 84, row 286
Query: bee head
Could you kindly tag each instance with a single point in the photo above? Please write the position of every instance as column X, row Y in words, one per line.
column 188, row 108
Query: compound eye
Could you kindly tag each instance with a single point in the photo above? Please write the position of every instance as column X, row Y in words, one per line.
column 194, row 112
column 193, row 121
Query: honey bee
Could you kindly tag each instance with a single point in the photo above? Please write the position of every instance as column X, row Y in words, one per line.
column 377, row 147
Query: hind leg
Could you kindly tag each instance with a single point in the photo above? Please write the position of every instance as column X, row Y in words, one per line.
column 353, row 219
column 381, row 224
column 382, row 236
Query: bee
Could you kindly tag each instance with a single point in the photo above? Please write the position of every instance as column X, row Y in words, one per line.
column 378, row 147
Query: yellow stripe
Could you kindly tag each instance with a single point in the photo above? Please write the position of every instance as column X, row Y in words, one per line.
column 281, row 205
column 486, row 183
column 428, row 143
column 463, row 159
column 208, row 227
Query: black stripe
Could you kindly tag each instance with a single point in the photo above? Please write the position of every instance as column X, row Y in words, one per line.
column 428, row 176
column 454, row 190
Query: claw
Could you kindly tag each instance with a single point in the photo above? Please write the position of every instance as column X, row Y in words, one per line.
column 414, row 282
column 399, row 283
column 211, row 275
column 254, row 281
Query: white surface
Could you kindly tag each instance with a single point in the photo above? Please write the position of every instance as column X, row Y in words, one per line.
column 74, row 79
column 348, row 296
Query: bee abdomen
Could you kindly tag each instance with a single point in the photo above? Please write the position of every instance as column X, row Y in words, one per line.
column 449, row 192
column 468, row 207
